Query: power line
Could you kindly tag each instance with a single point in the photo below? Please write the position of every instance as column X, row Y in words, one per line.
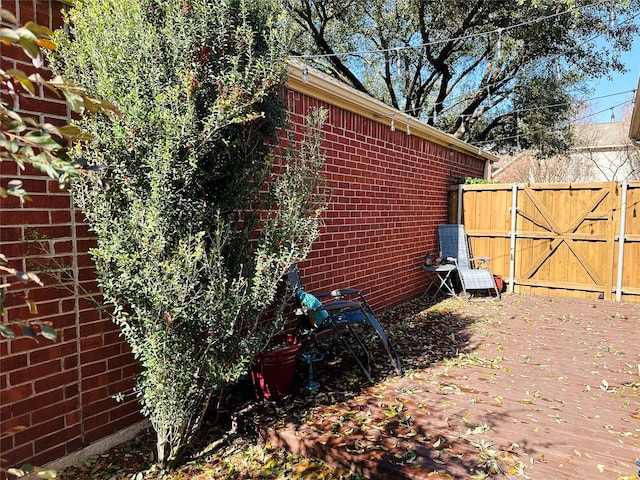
column 560, row 104
column 488, row 33
column 489, row 86
column 551, row 105
column 498, row 30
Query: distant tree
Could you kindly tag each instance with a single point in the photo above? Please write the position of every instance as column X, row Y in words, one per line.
column 634, row 161
column 559, row 169
column 501, row 74
column 199, row 222
column 528, row 166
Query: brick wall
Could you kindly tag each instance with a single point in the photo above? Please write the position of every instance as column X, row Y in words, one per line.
column 388, row 192
column 55, row 397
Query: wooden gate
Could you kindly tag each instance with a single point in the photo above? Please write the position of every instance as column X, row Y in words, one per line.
column 556, row 239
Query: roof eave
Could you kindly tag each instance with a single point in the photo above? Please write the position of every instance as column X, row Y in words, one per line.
column 327, row 89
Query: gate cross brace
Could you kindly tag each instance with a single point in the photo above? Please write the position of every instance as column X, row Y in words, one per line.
column 560, row 236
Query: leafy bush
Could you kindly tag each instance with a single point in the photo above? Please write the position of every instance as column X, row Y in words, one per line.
column 198, row 221
column 472, row 181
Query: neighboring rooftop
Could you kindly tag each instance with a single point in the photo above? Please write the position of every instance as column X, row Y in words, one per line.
column 602, row 136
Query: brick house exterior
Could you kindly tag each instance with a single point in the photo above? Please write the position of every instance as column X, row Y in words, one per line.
column 388, row 192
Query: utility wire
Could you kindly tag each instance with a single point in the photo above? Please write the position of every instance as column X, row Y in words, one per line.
column 489, row 86
column 542, row 107
column 488, row 33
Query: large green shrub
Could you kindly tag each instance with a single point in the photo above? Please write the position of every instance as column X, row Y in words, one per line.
column 195, row 221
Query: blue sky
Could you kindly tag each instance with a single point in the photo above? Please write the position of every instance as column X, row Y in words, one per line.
column 618, row 83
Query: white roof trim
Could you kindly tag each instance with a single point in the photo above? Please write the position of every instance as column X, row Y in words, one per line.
column 325, row 88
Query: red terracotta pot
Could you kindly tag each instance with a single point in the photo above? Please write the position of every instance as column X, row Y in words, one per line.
column 272, row 374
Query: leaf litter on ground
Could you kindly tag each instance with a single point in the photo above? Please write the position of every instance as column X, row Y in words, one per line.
column 362, row 418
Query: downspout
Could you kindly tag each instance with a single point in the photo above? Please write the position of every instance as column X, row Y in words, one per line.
column 488, row 170
column 621, row 240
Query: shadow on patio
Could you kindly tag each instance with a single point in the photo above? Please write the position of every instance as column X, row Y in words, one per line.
column 537, row 387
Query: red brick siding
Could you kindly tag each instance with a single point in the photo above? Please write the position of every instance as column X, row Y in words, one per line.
column 53, row 398
column 388, row 192
column 58, row 393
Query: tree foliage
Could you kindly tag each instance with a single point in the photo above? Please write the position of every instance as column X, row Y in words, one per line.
column 481, row 70
column 25, row 140
column 198, row 222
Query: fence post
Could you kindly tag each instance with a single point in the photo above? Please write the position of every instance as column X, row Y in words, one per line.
column 621, row 239
column 512, row 244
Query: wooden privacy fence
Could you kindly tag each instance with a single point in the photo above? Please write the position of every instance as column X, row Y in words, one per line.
column 569, row 239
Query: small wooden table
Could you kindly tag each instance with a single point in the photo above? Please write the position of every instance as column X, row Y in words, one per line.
column 441, row 279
